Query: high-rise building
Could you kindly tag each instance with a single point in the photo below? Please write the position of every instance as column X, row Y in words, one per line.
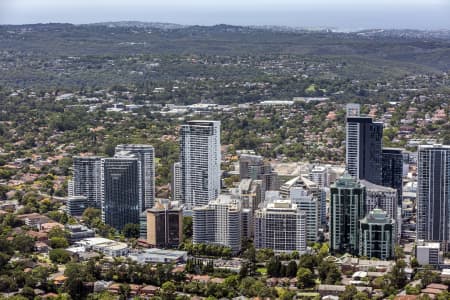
column 164, row 225
column 319, row 174
column 76, row 205
column 381, row 197
column 200, row 162
column 393, row 171
column 312, row 188
column 347, row 207
column 280, row 225
column 121, row 191
column 253, row 167
column 219, row 222
column 87, row 179
column 433, row 193
column 377, row 237
column 363, row 146
column 250, row 193
column 146, row 155
column 310, row 205
column 176, row 183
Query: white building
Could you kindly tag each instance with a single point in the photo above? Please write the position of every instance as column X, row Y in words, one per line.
column 219, row 222
column 428, row 253
column 176, row 186
column 280, row 225
column 200, row 162
column 319, row 174
column 310, row 205
column 105, row 246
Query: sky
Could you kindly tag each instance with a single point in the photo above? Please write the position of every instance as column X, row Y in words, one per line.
column 342, row 14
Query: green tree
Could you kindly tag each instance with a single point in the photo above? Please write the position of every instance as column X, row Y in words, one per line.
column 305, row 278
column 187, row 227
column 59, row 256
column 59, row 242
column 168, row 290
column 131, row 230
column 398, row 275
column 291, row 269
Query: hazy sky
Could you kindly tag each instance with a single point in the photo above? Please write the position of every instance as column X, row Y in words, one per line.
column 346, row 14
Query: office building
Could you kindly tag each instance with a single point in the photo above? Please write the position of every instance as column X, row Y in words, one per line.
column 164, row 225
column 250, row 193
column 433, row 193
column 79, row 232
column 377, row 235
column 76, row 205
column 382, row 197
column 253, row 167
column 281, row 226
column 363, row 146
column 312, row 188
column 310, row 205
column 200, row 162
column 219, row 222
column 429, row 253
column 392, row 171
column 146, row 156
column 121, row 191
column 87, row 179
column 347, row 207
column 176, row 184
column 319, row 174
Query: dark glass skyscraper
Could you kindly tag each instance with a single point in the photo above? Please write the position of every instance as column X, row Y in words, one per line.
column 393, row 170
column 347, row 207
column 433, row 193
column 121, row 191
column 363, row 146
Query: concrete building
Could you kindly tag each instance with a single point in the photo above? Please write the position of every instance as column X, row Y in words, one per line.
column 146, row 155
column 280, row 225
column 253, row 167
column 176, row 183
column 382, row 197
column 250, row 193
column 87, row 179
column 347, row 207
column 377, row 235
column 433, row 194
column 155, row 255
column 121, row 191
column 200, row 162
column 319, row 174
column 363, row 146
column 105, row 246
column 79, row 232
column 76, row 205
column 164, row 225
column 310, row 205
column 392, row 170
column 219, row 222
column 428, row 253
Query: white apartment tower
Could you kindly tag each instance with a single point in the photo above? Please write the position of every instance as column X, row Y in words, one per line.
column 219, row 222
column 310, row 205
column 87, row 179
column 200, row 162
column 176, row 184
column 280, row 225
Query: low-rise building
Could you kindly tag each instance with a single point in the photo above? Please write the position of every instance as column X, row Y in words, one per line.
column 105, row 246
column 79, row 232
column 155, row 255
column 428, row 253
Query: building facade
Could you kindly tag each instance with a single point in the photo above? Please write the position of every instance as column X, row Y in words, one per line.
column 164, row 225
column 310, row 205
column 280, row 225
column 176, row 184
column 219, row 222
column 393, row 171
column 121, row 191
column 433, row 193
column 363, row 146
column 200, row 162
column 87, row 179
column 347, row 207
column 377, row 235
column 146, row 156
column 76, row 205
